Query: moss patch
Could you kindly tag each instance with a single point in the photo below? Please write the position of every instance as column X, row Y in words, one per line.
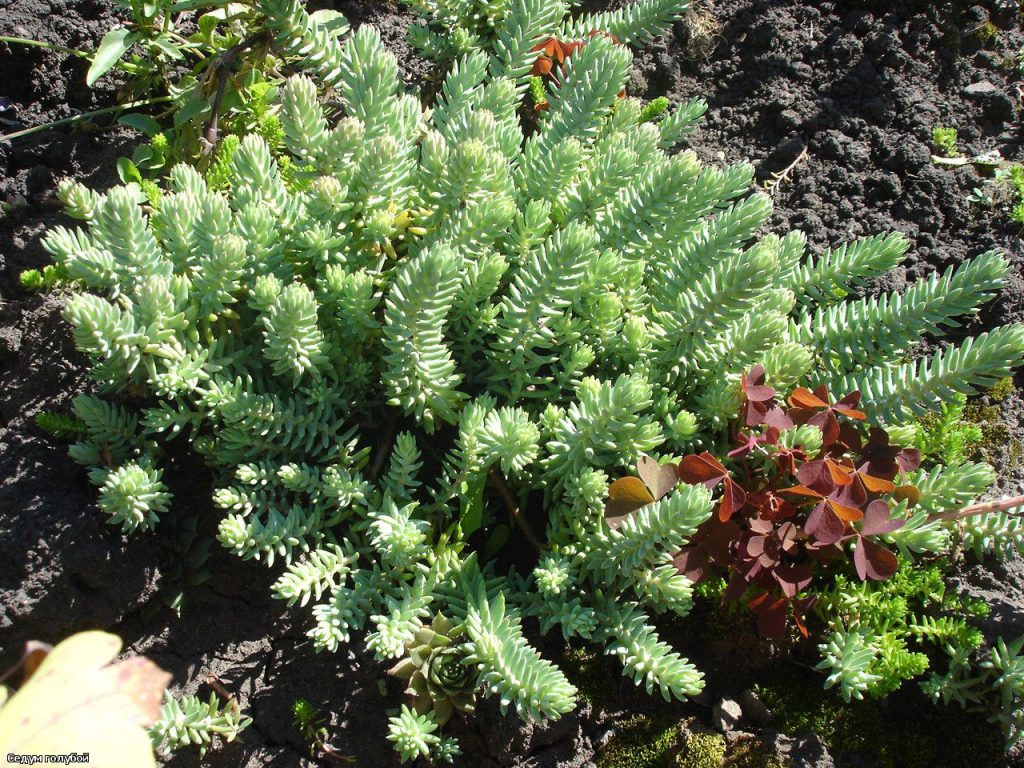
column 972, row 431
column 751, row 752
column 700, row 750
column 910, row 732
column 996, row 437
column 644, row 743
column 710, row 750
column 592, row 674
column 1002, row 389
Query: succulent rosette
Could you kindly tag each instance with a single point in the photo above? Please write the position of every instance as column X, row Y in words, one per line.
column 438, row 680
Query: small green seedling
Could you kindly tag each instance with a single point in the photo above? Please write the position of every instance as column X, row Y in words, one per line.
column 945, row 140
column 312, row 722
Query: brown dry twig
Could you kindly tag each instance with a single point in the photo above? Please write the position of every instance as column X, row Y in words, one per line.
column 498, row 481
column 220, row 70
column 778, row 178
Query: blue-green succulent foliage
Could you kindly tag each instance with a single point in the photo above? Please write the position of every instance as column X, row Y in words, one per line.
column 530, row 311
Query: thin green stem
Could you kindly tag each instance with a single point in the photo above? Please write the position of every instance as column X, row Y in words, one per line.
column 48, row 46
column 185, row 43
column 85, row 116
column 191, row 5
column 122, row 65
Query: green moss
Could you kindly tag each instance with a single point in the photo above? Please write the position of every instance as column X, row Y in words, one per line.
column 710, row 750
column 592, row 674
column 1002, row 389
column 972, row 431
column 751, row 752
column 909, row 732
column 996, row 438
column 701, row 750
column 644, row 743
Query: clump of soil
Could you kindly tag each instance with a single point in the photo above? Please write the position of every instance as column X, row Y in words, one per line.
column 854, row 87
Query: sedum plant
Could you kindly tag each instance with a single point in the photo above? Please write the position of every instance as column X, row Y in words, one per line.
column 994, row 685
column 436, row 326
column 453, row 28
column 878, row 632
column 190, row 720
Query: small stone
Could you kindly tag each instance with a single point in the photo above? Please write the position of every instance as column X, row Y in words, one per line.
column 996, row 104
column 981, row 88
column 755, row 710
column 726, row 715
column 806, row 750
column 604, row 738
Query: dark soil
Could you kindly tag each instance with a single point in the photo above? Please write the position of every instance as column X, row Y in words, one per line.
column 859, row 84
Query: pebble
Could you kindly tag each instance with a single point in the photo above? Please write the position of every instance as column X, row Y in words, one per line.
column 997, row 105
column 755, row 710
column 981, row 88
column 726, row 715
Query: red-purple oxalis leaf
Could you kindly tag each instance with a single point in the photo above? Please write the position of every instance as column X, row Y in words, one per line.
column 758, row 399
column 881, row 459
column 702, row 469
column 754, row 388
column 844, row 512
column 793, row 579
column 876, row 520
column 908, row 493
column 824, row 525
column 772, row 613
column 779, row 419
column 822, row 476
column 802, row 397
column 732, row 501
column 874, row 484
column 873, row 561
column 693, row 563
column 848, row 407
column 715, row 538
column 800, row 608
column 814, row 408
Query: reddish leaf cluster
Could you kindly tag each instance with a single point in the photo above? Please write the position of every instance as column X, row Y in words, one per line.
column 783, row 516
column 782, row 513
column 552, row 52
